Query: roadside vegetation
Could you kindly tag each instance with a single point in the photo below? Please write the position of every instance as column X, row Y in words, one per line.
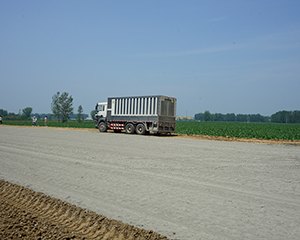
column 241, row 130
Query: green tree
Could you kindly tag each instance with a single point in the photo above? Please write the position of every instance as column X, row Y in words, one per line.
column 11, row 116
column 66, row 108
column 27, row 112
column 61, row 106
column 230, row 117
column 93, row 114
column 80, row 116
column 296, row 117
column 207, row 116
column 3, row 113
column 286, row 117
column 199, row 116
column 281, row 117
column 219, row 117
column 241, row 117
column 55, row 107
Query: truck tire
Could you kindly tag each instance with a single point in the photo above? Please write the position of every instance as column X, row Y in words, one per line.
column 129, row 128
column 102, row 127
column 140, row 129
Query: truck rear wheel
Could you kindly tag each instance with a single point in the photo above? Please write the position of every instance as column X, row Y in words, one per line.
column 102, row 127
column 129, row 128
column 140, row 129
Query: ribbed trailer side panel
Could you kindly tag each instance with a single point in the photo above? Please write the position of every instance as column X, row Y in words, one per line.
column 144, row 108
column 134, row 106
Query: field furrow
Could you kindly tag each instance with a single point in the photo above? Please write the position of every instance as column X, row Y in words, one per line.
column 50, row 218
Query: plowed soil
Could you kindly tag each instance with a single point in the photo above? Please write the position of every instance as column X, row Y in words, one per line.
column 26, row 214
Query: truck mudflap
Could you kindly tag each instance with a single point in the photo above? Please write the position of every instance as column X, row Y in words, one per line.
column 166, row 127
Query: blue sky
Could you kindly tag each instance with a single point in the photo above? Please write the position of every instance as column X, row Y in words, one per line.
column 233, row 56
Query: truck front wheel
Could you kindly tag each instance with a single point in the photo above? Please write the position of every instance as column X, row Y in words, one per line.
column 129, row 128
column 140, row 129
column 102, row 127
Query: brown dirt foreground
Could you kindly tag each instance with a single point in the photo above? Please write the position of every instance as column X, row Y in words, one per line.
column 26, row 214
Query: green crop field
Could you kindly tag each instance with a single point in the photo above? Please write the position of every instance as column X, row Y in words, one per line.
column 232, row 129
column 241, row 130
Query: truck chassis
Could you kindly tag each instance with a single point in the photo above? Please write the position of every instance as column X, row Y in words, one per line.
column 138, row 127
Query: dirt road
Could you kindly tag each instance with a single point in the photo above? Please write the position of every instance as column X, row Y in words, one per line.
column 180, row 188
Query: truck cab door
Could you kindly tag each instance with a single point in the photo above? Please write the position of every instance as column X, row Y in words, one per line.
column 101, row 110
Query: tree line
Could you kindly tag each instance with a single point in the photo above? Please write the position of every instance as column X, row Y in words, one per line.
column 286, row 117
column 61, row 107
column 278, row 117
column 25, row 114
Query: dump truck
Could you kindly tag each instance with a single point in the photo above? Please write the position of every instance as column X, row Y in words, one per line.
column 141, row 115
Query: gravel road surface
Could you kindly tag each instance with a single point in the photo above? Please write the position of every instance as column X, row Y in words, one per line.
column 180, row 188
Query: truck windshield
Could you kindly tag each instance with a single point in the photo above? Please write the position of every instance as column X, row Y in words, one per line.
column 100, row 108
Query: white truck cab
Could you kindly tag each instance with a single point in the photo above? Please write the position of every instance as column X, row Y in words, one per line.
column 101, row 110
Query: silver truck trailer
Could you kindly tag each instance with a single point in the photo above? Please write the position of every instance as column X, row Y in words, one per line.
column 137, row 114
